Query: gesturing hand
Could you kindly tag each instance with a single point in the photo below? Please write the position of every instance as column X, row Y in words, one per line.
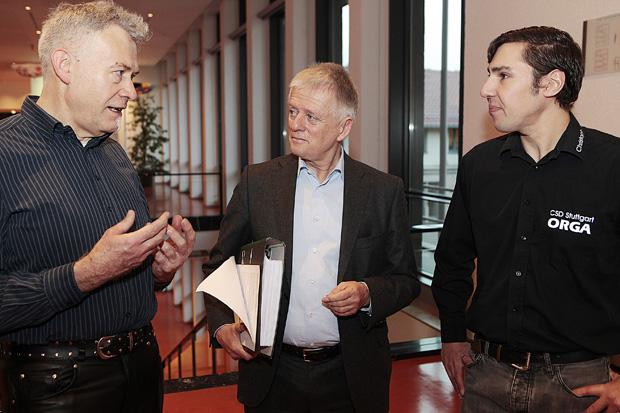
column 117, row 252
column 173, row 252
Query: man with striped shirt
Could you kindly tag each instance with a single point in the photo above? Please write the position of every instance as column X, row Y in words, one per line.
column 79, row 259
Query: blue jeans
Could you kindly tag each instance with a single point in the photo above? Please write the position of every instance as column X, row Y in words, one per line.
column 494, row 387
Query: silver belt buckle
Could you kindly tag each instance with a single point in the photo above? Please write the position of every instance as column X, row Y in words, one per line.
column 102, row 343
column 307, row 352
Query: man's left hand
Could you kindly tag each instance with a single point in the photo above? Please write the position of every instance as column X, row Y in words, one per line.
column 608, row 396
column 347, row 298
column 173, row 252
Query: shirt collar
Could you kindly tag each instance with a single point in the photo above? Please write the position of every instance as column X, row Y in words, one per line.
column 301, row 165
column 46, row 124
column 39, row 118
column 571, row 141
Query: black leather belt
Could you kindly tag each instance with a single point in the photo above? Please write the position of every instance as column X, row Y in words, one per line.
column 104, row 348
column 310, row 355
column 522, row 360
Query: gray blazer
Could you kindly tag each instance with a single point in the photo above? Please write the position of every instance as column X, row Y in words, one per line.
column 375, row 248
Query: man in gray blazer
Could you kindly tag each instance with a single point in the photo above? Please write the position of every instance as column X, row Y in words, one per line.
column 349, row 261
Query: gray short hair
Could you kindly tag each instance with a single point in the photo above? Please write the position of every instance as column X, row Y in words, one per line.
column 332, row 77
column 68, row 22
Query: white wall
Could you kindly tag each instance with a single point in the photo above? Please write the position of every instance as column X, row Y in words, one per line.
column 368, row 65
column 599, row 101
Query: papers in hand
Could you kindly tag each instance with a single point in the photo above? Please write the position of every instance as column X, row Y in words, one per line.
column 252, row 296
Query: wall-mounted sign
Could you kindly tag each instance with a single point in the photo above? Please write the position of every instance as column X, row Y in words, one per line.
column 601, row 45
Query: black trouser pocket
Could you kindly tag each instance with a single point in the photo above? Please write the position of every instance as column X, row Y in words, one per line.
column 41, row 380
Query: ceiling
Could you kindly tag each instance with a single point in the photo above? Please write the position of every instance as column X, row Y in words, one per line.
column 18, row 40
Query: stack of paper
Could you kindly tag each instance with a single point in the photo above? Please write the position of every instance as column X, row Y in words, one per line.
column 253, row 296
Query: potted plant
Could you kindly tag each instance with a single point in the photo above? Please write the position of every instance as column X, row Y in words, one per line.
column 148, row 139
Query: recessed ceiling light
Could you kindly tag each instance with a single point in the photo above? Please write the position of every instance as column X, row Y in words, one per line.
column 28, row 8
column 38, row 31
column 149, row 15
column 13, row 112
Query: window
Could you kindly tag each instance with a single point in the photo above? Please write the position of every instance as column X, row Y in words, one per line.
column 332, row 31
column 425, row 121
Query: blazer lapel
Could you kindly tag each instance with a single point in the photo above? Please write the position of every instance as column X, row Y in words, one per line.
column 284, row 182
column 355, row 195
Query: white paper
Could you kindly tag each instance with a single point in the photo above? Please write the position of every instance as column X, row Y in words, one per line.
column 270, row 302
column 225, row 284
column 249, row 277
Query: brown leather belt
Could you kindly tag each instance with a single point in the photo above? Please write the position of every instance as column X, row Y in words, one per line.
column 522, row 360
column 104, row 348
column 310, row 355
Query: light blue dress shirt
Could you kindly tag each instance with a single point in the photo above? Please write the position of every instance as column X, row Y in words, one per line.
column 317, row 227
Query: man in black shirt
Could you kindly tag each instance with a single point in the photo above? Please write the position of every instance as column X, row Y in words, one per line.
column 537, row 212
column 79, row 259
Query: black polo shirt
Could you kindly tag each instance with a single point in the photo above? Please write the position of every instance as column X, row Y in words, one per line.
column 546, row 237
column 57, row 198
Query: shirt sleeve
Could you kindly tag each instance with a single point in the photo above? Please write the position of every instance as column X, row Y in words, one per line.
column 30, row 298
column 454, row 263
column 367, row 308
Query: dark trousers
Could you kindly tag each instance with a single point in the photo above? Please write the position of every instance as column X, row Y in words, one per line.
column 300, row 387
column 130, row 383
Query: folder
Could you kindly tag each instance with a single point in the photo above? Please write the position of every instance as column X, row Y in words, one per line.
column 252, row 287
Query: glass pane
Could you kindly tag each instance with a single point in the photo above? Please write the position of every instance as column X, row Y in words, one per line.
column 440, row 155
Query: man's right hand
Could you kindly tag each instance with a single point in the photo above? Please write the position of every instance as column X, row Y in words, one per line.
column 229, row 337
column 117, row 252
column 455, row 356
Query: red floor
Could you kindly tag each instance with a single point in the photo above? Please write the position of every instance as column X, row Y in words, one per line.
column 419, row 385
column 161, row 197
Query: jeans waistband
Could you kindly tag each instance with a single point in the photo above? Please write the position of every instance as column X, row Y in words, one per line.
column 522, row 360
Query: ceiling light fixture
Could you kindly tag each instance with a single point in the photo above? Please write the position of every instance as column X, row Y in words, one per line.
column 27, row 8
column 149, row 15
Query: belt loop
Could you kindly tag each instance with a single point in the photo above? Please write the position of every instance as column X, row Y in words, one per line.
column 548, row 364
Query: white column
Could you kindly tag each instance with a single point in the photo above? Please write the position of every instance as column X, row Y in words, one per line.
column 173, row 142
column 210, row 148
column 195, row 113
column 183, row 118
column 229, row 78
column 368, row 65
column 299, row 41
column 257, row 31
column 165, row 116
column 299, row 44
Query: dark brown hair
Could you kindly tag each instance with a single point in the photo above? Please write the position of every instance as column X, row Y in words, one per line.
column 547, row 49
